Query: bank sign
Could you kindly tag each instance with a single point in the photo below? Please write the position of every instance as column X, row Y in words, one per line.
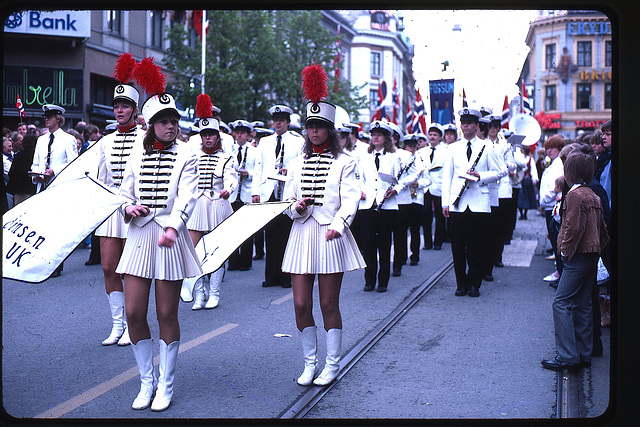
column 61, row 23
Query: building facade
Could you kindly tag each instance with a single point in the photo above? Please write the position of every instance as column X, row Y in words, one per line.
column 66, row 57
column 568, row 72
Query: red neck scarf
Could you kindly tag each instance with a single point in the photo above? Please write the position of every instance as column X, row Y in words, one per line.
column 157, row 145
column 320, row 148
column 210, row 150
column 126, row 129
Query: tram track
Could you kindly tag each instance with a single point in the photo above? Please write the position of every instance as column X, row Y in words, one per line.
column 305, row 402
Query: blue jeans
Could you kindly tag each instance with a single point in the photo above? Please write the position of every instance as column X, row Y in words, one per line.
column 572, row 309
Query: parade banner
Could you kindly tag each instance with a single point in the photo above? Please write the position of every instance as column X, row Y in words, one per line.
column 39, row 233
column 441, row 96
column 215, row 247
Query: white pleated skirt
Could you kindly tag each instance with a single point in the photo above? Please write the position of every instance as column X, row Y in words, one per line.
column 208, row 213
column 142, row 257
column 114, row 226
column 309, row 252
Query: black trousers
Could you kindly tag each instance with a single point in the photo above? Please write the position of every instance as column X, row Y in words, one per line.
column 258, row 241
column 433, row 208
column 241, row 257
column 409, row 219
column 512, row 212
column 468, row 246
column 498, row 232
column 276, row 236
column 376, row 228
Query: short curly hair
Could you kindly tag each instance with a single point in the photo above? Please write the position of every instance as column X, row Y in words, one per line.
column 556, row 141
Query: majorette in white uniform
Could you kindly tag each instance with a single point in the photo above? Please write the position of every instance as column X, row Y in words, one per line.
column 166, row 182
column 217, row 176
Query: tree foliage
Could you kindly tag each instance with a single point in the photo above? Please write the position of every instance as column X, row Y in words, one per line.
column 254, row 59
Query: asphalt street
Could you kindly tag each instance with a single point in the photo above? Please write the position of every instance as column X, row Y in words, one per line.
column 447, row 358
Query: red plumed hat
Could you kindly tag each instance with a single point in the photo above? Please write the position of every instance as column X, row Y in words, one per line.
column 314, row 88
column 123, row 72
column 150, row 77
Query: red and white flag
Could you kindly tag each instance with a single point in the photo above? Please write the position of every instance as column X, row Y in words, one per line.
column 20, row 107
column 506, row 113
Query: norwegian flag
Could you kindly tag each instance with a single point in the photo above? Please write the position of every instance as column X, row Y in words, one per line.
column 464, row 99
column 409, row 118
column 525, row 107
column 197, row 23
column 395, row 97
column 20, row 107
column 419, row 121
column 505, row 113
column 381, row 113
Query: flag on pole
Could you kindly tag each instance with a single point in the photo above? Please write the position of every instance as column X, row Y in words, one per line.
column 197, row 23
column 505, row 113
column 409, row 118
column 395, row 97
column 380, row 112
column 20, row 107
column 525, row 107
column 464, row 99
column 419, row 121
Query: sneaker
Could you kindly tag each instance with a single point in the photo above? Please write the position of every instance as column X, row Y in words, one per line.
column 553, row 277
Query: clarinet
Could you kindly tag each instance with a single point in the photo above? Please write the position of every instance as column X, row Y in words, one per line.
column 403, row 170
column 464, row 187
column 242, row 166
column 279, row 167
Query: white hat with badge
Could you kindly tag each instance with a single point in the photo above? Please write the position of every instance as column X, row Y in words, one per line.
column 123, row 73
column 150, row 77
column 380, row 126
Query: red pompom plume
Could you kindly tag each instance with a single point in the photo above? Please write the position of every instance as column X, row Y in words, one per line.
column 204, row 106
column 149, row 76
column 123, row 72
column 314, row 83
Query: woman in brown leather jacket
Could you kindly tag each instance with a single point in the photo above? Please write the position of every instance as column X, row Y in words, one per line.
column 583, row 234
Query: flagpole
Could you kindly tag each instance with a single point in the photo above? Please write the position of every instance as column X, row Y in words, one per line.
column 204, row 46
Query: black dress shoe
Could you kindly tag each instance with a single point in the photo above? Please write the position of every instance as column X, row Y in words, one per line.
column 461, row 292
column 427, row 247
column 234, row 268
column 413, row 263
column 244, row 268
column 266, row 284
column 381, row 289
column 396, row 272
column 92, row 262
column 498, row 264
column 369, row 288
column 437, row 247
column 286, row 285
column 488, row 278
column 256, row 256
column 56, row 273
column 474, row 292
column 556, row 365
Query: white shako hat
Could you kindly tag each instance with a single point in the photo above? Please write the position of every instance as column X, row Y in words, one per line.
column 205, row 113
column 123, row 73
column 156, row 104
column 314, row 89
column 322, row 110
column 150, row 77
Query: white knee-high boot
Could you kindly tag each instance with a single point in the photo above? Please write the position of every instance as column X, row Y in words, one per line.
column 309, row 341
column 167, row 370
column 214, row 288
column 199, row 294
column 143, row 352
column 332, row 363
column 116, row 304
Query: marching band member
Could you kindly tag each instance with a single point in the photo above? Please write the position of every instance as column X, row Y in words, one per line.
column 114, row 152
column 468, row 167
column 378, row 221
column 326, row 192
column 450, row 133
column 410, row 201
column 161, row 181
column 274, row 157
column 244, row 154
column 217, row 179
column 434, row 154
column 501, row 194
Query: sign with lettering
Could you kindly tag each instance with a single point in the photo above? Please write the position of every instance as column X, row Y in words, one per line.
column 588, row 28
column 595, row 75
column 590, row 124
column 548, row 121
column 441, row 96
column 38, row 86
column 61, row 23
